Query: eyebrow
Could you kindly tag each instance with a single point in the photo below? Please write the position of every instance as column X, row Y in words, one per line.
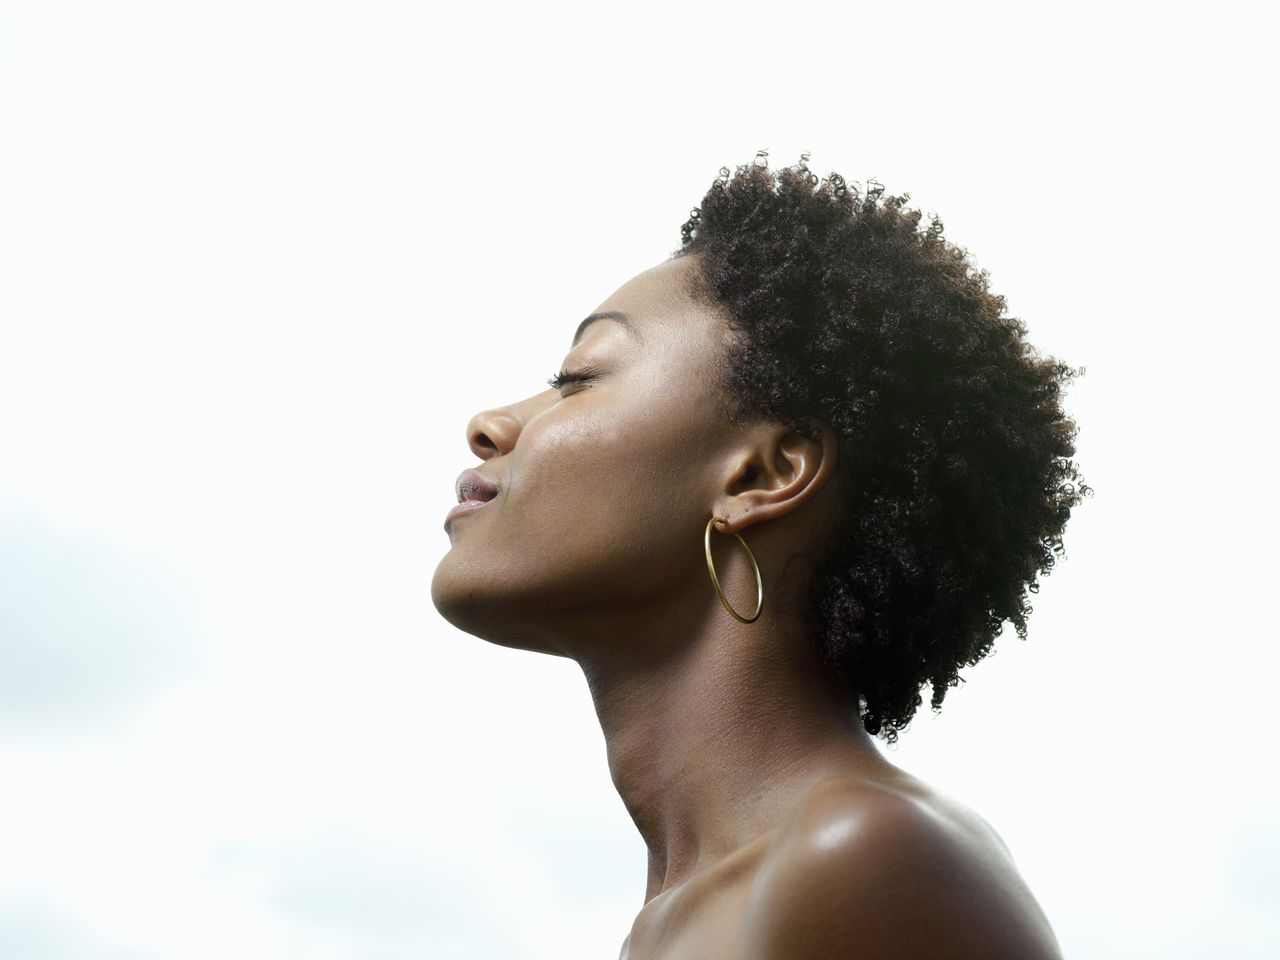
column 618, row 315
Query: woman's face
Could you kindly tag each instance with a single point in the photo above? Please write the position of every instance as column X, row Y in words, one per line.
column 604, row 486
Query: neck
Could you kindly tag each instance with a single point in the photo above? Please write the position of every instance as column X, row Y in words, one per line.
column 711, row 743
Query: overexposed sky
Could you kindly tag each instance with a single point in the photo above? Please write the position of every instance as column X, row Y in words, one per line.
column 261, row 261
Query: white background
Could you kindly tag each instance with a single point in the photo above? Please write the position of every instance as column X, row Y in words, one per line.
column 261, row 261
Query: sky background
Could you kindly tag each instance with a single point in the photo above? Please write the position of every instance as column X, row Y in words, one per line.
column 260, row 262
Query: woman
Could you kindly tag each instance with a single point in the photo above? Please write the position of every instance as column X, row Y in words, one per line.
column 783, row 479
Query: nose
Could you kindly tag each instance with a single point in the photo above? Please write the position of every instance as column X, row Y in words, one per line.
column 493, row 432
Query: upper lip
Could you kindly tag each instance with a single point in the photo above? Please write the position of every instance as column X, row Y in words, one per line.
column 472, row 485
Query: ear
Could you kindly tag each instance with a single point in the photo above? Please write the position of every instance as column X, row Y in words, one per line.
column 773, row 472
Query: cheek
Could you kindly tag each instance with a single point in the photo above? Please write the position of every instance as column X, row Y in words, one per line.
column 602, row 483
column 587, row 473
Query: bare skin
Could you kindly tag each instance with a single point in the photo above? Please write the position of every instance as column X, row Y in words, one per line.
column 774, row 826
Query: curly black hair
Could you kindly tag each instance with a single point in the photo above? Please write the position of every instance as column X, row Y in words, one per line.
column 957, row 483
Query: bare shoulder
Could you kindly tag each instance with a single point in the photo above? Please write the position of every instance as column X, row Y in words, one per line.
column 870, row 870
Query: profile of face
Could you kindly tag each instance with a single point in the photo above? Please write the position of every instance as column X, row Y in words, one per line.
column 599, row 494
column 605, row 487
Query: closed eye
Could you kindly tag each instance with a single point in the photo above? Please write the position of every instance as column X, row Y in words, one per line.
column 561, row 378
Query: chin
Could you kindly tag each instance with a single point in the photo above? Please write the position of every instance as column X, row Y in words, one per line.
column 471, row 601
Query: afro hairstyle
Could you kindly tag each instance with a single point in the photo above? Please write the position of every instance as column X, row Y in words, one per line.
column 955, row 475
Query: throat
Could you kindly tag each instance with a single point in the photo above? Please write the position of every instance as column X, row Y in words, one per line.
column 708, row 759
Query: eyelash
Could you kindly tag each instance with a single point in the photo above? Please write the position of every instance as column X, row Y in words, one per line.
column 561, row 378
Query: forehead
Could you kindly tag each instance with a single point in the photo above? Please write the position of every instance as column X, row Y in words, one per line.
column 657, row 309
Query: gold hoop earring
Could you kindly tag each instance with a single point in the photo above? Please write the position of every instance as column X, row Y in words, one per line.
column 716, row 580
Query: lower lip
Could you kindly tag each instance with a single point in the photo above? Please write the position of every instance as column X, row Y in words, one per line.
column 466, row 506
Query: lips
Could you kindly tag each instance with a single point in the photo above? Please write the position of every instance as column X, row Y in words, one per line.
column 472, row 485
column 474, row 491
